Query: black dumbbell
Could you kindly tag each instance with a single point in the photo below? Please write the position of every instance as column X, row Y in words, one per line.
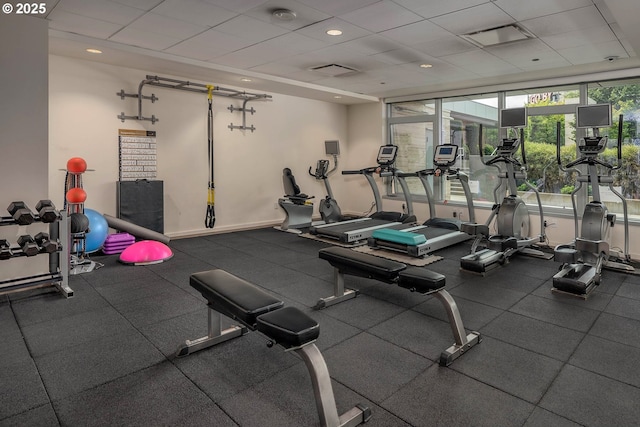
column 46, row 211
column 28, row 245
column 45, row 243
column 5, row 251
column 21, row 213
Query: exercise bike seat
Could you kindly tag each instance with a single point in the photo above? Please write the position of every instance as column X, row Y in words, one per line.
column 291, row 189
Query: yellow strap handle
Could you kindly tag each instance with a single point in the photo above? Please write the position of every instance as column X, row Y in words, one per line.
column 211, row 88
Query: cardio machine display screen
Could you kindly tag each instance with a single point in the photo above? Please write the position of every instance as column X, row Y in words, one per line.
column 387, row 154
column 513, row 118
column 593, row 116
column 445, row 154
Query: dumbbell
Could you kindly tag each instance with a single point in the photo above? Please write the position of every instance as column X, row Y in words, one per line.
column 45, row 243
column 46, row 211
column 5, row 251
column 28, row 245
column 21, row 213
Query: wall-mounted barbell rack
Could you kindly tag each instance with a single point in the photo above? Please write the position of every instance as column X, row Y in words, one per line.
column 186, row 85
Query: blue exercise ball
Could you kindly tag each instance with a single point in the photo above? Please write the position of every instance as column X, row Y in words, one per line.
column 98, row 231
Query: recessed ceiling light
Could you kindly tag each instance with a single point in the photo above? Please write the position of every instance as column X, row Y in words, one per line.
column 244, row 79
column 338, row 97
column 426, row 65
column 334, row 32
column 92, row 50
column 284, row 14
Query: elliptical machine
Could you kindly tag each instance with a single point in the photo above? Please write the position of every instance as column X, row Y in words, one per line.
column 512, row 215
column 583, row 259
column 329, row 210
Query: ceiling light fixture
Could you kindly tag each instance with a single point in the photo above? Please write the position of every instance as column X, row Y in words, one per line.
column 337, row 97
column 92, row 50
column 426, row 65
column 244, row 79
column 334, row 32
column 284, row 14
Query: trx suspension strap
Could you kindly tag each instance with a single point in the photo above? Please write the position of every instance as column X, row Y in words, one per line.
column 210, row 218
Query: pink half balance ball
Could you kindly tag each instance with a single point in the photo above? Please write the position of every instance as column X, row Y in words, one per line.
column 146, row 252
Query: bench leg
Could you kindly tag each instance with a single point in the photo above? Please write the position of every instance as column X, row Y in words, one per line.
column 463, row 341
column 215, row 335
column 339, row 292
column 323, row 391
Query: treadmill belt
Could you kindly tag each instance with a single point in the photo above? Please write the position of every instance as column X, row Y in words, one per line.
column 339, row 229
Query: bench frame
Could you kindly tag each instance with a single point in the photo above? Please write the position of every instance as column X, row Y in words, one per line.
column 309, row 353
column 463, row 341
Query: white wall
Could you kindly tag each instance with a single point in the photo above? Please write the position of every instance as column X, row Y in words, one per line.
column 290, row 132
column 23, row 125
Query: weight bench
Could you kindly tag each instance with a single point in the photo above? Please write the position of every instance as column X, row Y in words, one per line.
column 291, row 328
column 415, row 279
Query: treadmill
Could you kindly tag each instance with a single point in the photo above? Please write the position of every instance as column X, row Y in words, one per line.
column 358, row 230
column 435, row 233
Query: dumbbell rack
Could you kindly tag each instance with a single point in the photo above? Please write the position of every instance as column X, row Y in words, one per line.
column 58, row 274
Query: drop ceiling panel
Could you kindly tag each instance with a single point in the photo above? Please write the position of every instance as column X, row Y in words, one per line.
column 238, row 6
column 481, row 63
column 194, row 11
column 305, row 14
column 523, row 10
column 72, row 23
column 139, row 4
column 418, row 32
column 250, row 29
column 381, row 16
column 154, row 23
column 370, row 45
column 400, row 56
column 319, row 31
column 337, row 7
column 564, row 22
column 144, row 39
column 475, row 18
column 593, row 53
column 431, row 9
column 445, row 46
column 288, row 45
column 208, row 45
column 103, row 10
column 580, row 37
column 242, row 59
column 546, row 61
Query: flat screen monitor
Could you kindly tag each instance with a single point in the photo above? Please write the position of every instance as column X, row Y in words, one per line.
column 513, row 117
column 593, row 116
column 332, row 147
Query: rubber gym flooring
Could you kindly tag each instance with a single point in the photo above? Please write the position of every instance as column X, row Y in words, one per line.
column 104, row 357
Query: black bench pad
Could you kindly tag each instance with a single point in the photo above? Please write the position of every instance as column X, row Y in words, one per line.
column 233, row 296
column 288, row 327
column 362, row 265
column 421, row 280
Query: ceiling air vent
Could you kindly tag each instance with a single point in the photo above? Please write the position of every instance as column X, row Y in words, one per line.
column 496, row 36
column 334, row 70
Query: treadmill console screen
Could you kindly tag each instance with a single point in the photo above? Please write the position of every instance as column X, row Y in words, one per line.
column 445, row 154
column 387, row 154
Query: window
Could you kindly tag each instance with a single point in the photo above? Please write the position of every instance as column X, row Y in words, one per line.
column 416, row 126
column 624, row 97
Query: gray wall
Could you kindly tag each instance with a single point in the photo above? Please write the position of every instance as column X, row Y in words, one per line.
column 24, row 105
column 24, row 126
